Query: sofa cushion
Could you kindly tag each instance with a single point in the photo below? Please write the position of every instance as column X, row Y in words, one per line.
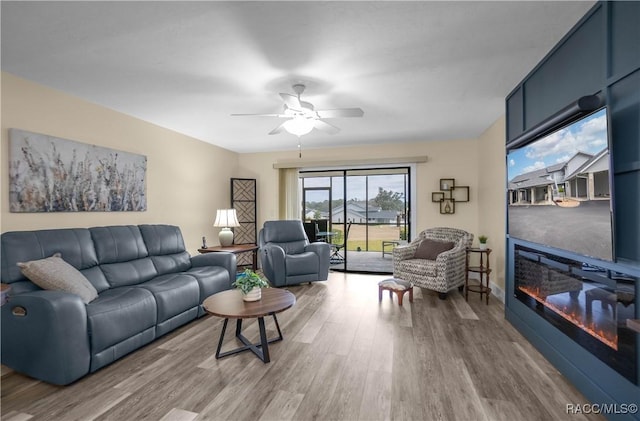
column 166, row 248
column 53, row 273
column 283, row 231
column 293, row 247
column 420, row 267
column 301, row 264
column 287, row 234
column 172, row 263
column 430, row 249
column 162, row 239
column 211, row 279
column 129, row 273
column 118, row 314
column 174, row 293
column 75, row 244
column 118, row 243
column 97, row 278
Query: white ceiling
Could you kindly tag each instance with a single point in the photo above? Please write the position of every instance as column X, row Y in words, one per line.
column 420, row 70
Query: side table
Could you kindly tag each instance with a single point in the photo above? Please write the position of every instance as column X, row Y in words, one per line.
column 483, row 270
column 236, row 249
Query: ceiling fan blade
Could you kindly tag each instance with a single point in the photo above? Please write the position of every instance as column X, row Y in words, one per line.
column 260, row 115
column 278, row 129
column 341, row 112
column 325, row 127
column 292, row 101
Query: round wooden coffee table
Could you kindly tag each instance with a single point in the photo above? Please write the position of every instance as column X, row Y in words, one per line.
column 229, row 304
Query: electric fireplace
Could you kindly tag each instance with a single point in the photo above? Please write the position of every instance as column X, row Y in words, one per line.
column 589, row 304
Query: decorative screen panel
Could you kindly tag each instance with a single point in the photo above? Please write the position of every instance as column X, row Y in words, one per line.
column 243, row 200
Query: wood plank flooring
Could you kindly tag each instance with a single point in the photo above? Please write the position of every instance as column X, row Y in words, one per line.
column 345, row 356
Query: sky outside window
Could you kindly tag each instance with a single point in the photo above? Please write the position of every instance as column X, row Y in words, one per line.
column 588, row 135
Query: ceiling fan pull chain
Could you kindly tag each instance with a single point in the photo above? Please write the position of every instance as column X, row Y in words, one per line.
column 299, row 147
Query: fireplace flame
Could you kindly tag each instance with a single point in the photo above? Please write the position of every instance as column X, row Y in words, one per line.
column 606, row 337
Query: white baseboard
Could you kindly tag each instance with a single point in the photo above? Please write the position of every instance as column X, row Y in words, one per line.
column 497, row 292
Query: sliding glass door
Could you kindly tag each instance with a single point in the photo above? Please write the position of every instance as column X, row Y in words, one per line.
column 367, row 213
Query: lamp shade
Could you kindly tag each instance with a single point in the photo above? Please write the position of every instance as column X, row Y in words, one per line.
column 226, row 218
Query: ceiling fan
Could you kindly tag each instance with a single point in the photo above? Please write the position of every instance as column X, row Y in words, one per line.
column 302, row 117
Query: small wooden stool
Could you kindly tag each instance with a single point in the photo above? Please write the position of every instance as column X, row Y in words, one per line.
column 395, row 285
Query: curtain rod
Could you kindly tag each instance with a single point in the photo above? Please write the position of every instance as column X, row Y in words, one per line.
column 301, row 163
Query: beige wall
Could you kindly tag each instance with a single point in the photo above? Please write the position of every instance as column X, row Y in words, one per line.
column 491, row 200
column 187, row 179
column 446, row 159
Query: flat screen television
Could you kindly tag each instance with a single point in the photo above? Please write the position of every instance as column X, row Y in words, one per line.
column 560, row 188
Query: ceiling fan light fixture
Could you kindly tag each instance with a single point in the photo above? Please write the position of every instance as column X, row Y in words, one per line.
column 299, row 125
column 302, row 117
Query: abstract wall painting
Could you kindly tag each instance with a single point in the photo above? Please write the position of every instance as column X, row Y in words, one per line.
column 49, row 174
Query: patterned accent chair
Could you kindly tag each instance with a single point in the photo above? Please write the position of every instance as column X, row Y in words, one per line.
column 441, row 275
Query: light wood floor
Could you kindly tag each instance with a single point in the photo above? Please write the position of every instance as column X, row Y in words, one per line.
column 344, row 357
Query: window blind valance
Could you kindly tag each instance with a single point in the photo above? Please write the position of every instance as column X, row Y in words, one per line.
column 302, row 163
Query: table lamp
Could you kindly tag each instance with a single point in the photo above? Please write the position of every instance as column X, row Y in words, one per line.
column 226, row 218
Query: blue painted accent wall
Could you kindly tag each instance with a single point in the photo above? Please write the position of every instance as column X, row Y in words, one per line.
column 600, row 55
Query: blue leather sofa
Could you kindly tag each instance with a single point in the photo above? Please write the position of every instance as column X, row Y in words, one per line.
column 147, row 285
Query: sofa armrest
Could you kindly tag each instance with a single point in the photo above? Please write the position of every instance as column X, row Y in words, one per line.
column 453, row 262
column 44, row 335
column 404, row 252
column 272, row 258
column 224, row 258
column 323, row 251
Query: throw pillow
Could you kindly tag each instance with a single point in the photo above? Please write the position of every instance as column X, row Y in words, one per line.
column 430, row 249
column 55, row 274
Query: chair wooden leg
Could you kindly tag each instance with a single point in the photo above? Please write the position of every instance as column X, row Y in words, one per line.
column 399, row 294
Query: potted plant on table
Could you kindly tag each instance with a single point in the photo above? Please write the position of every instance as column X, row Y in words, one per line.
column 251, row 284
column 482, row 239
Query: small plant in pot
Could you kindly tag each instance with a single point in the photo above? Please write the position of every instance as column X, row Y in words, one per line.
column 482, row 239
column 250, row 283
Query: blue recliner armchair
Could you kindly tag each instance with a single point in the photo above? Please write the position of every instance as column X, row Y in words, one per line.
column 288, row 258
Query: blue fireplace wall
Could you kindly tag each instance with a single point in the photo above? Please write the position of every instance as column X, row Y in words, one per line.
column 600, row 55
